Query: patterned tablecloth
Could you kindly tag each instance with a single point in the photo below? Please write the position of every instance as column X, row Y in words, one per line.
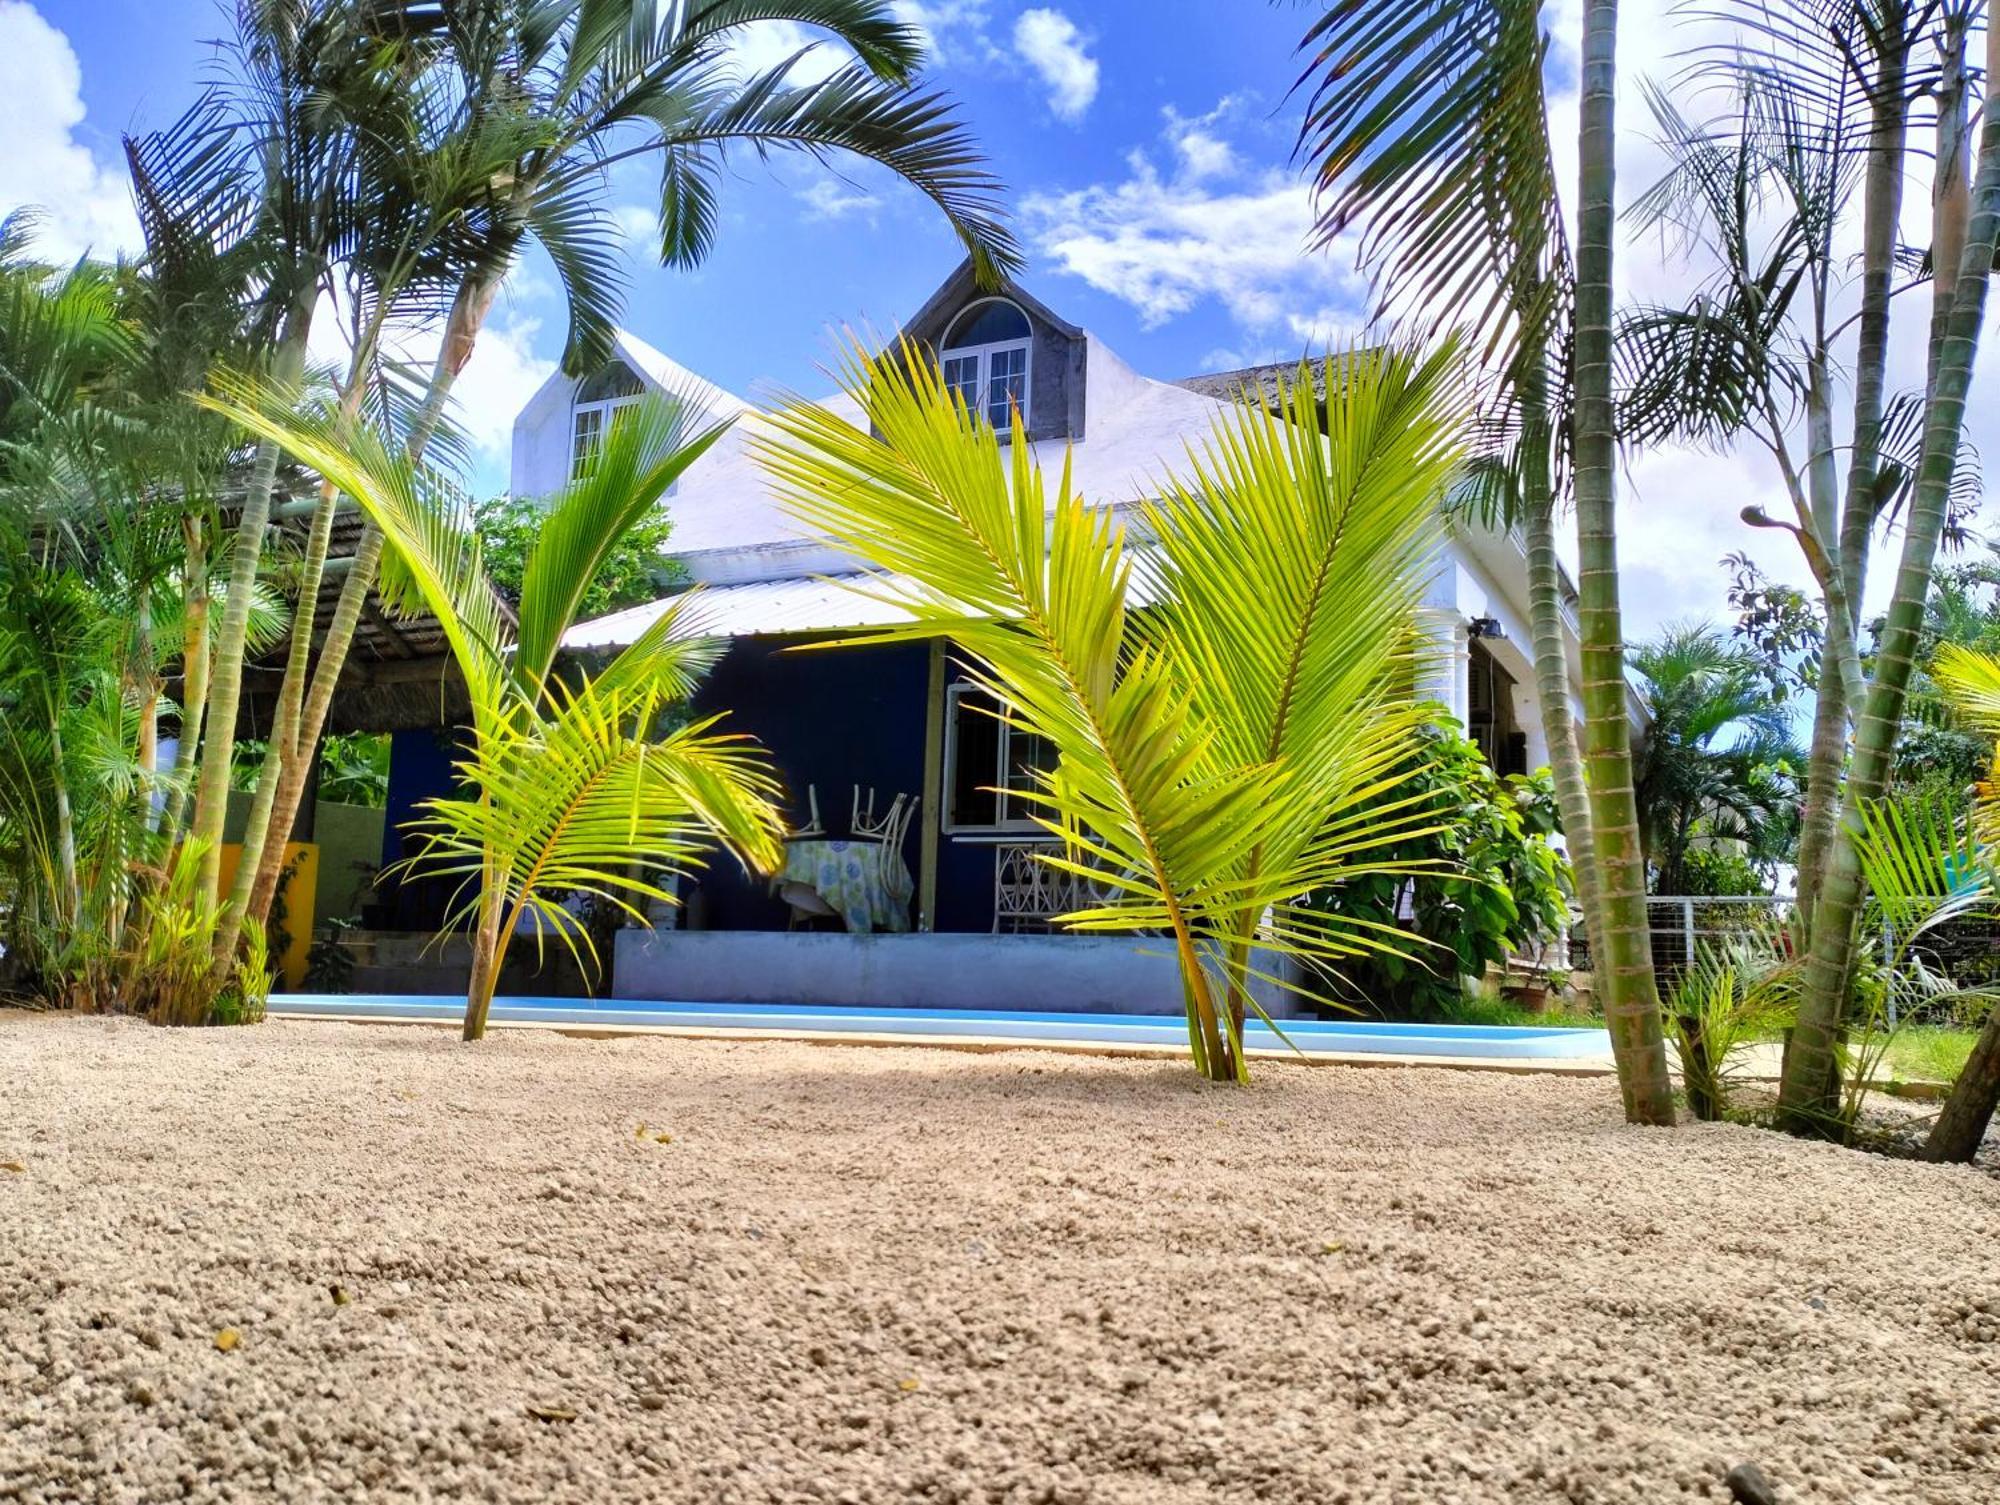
column 866, row 884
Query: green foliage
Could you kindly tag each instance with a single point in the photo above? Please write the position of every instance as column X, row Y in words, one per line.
column 354, row 769
column 1729, row 995
column 1718, row 762
column 1481, row 887
column 172, row 977
column 1225, row 754
column 1721, row 872
column 568, row 788
column 635, row 570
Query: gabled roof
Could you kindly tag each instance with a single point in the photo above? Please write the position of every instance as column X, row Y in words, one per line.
column 663, row 372
column 961, row 287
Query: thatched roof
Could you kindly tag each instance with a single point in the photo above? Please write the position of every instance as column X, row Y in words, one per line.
column 399, row 671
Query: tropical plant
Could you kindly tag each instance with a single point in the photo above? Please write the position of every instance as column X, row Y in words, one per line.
column 1971, row 681
column 1429, row 122
column 1730, row 993
column 1717, row 761
column 1226, row 752
column 354, row 769
column 1481, row 887
column 566, row 90
column 567, row 789
column 636, row 571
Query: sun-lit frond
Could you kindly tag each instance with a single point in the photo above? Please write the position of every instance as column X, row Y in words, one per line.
column 649, row 445
column 1229, row 748
column 430, row 534
column 1922, row 865
column 1426, row 129
column 586, row 801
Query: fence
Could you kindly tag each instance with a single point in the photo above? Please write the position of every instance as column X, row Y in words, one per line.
column 1967, row 950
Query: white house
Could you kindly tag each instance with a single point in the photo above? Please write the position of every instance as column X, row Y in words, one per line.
column 895, row 718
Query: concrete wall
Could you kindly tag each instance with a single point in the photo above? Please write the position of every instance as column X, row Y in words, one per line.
column 349, row 838
column 1107, row 974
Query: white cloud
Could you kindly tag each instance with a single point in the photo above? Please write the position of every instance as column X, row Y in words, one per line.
column 497, row 382
column 85, row 203
column 765, row 44
column 1167, row 244
column 830, row 198
column 1202, row 151
column 953, row 30
column 638, row 225
column 1049, row 43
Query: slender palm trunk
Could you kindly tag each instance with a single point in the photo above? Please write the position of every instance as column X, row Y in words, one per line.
column 1882, row 207
column 287, row 762
column 469, row 312
column 194, row 677
column 226, row 668
column 1551, row 663
column 1809, row 1098
column 1623, row 974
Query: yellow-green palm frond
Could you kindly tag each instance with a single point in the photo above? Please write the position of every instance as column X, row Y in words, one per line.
column 585, row 802
column 651, row 443
column 1921, row 864
column 1214, row 762
column 431, row 534
column 1971, row 682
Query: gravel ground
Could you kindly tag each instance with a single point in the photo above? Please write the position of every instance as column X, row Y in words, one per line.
column 885, row 1275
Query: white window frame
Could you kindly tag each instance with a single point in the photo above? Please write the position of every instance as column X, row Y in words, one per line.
column 608, row 407
column 954, row 693
column 983, row 356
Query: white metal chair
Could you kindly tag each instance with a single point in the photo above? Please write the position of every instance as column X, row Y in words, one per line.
column 812, row 828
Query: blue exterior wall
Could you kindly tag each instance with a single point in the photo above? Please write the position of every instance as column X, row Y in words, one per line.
column 834, row 718
column 419, row 769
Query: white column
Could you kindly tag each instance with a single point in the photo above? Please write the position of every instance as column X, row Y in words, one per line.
column 1444, row 663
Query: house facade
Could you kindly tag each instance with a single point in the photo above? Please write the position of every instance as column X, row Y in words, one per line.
column 854, row 728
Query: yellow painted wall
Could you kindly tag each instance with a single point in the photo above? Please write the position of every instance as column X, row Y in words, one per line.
column 296, row 894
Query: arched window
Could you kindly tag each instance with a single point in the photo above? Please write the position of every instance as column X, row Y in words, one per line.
column 985, row 360
column 598, row 396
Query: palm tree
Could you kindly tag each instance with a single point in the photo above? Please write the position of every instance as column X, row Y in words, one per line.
column 288, row 121
column 1223, row 755
column 581, row 88
column 570, row 791
column 1970, row 680
column 1811, row 1068
column 1715, row 763
column 1427, row 124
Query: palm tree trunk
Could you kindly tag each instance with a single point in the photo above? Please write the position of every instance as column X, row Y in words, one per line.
column 1824, row 764
column 469, row 312
column 487, row 958
column 1882, row 208
column 194, row 677
column 1551, row 662
column 1808, row 1100
column 287, row 763
column 1623, row 974
column 226, row 669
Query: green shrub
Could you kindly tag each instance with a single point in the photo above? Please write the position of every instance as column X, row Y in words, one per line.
column 1497, row 884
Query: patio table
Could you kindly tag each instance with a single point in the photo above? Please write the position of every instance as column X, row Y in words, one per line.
column 865, row 883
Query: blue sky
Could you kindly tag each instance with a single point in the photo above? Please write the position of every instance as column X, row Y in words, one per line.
column 1147, row 166
column 1146, row 150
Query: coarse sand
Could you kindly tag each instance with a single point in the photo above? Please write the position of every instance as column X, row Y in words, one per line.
column 550, row 1269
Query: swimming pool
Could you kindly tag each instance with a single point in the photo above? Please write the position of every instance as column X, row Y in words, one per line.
column 1313, row 1036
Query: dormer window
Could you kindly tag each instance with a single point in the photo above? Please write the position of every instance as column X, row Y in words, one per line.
column 598, row 398
column 984, row 359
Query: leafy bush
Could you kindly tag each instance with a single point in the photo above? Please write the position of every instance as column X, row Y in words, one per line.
column 1721, row 872
column 1494, row 885
column 633, row 572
